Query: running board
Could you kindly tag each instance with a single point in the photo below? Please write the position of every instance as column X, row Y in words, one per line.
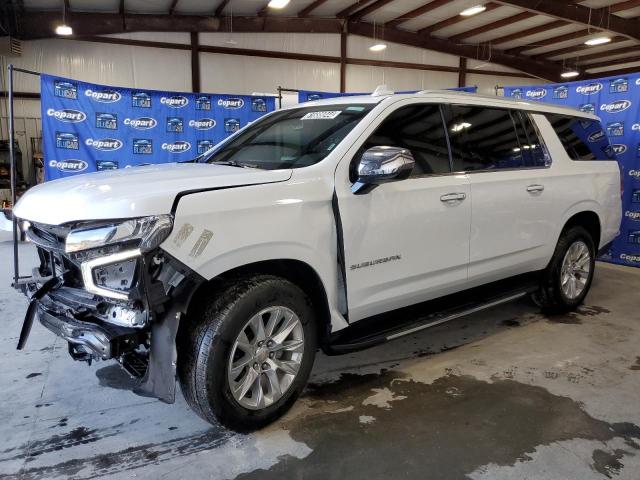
column 462, row 313
column 383, row 328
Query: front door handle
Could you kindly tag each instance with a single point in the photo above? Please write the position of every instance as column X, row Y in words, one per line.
column 535, row 188
column 453, row 197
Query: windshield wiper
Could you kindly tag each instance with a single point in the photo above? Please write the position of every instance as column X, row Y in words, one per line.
column 233, row 163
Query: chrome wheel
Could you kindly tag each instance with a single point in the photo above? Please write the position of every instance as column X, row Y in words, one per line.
column 576, row 267
column 266, row 357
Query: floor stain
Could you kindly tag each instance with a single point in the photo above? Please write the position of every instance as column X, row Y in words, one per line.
column 31, row 375
column 608, row 463
column 461, row 418
column 121, row 461
column 636, row 366
column 114, row 376
column 510, row 322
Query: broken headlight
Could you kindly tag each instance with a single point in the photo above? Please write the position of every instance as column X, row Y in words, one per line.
column 145, row 233
column 108, row 252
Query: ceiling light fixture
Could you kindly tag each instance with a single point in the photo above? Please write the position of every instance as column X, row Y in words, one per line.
column 378, row 46
column 278, row 3
column 597, row 41
column 467, row 12
column 570, row 74
column 64, row 29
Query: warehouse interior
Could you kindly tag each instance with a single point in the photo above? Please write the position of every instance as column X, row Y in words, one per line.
column 507, row 392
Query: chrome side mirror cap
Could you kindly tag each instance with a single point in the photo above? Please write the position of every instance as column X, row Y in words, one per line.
column 381, row 165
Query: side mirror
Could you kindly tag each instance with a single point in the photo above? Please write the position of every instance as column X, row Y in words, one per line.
column 381, row 165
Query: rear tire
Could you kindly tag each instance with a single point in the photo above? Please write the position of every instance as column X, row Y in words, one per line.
column 567, row 279
column 233, row 373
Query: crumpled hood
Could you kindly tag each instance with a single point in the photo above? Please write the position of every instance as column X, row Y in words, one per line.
column 131, row 192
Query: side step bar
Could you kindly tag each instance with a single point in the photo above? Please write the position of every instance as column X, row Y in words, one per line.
column 370, row 332
column 459, row 314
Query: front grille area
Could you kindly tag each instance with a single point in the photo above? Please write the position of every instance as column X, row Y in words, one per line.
column 49, row 237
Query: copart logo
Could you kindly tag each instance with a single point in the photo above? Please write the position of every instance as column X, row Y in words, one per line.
column 71, row 165
column 630, row 258
column 615, row 107
column 632, row 215
column 175, row 102
column 231, row 103
column 104, row 144
column 635, row 127
column 589, row 89
column 103, row 96
column 202, row 123
column 142, row 123
column 634, row 174
column 176, row 147
column 67, row 115
column 537, row 93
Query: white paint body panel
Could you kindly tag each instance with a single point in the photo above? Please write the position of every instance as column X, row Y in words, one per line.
column 499, row 230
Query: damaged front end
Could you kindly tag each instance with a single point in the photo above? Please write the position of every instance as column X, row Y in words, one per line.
column 109, row 290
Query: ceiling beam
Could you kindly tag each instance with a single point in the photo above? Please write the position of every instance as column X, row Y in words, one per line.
column 529, row 32
column 492, row 26
column 622, row 6
column 553, row 40
column 606, row 54
column 447, row 22
column 311, row 7
column 618, row 71
column 417, row 12
column 291, row 56
column 575, row 49
column 593, row 17
column 613, row 63
column 547, row 70
column 121, row 7
column 369, row 9
column 352, row 8
column 220, row 8
column 41, row 24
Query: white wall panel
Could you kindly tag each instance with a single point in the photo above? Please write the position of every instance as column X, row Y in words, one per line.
column 244, row 75
column 358, row 47
column 119, row 65
column 366, row 79
column 315, row 44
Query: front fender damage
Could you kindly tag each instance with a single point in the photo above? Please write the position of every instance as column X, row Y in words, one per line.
column 168, row 302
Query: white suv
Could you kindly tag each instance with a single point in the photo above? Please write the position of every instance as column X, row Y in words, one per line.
column 306, row 228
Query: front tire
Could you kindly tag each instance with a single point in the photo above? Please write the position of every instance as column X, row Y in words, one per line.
column 247, row 357
column 567, row 279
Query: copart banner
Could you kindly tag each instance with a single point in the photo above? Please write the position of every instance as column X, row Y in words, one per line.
column 88, row 127
column 616, row 100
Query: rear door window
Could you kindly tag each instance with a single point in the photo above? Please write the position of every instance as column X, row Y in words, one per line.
column 534, row 153
column 582, row 138
column 482, row 138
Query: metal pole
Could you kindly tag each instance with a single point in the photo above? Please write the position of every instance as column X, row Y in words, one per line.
column 279, row 97
column 12, row 158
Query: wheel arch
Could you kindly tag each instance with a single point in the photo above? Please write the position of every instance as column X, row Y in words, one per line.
column 297, row 272
column 590, row 221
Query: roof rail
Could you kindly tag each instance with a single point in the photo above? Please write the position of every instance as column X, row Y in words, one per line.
column 381, row 91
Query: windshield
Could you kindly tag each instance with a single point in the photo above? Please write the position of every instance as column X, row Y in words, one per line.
column 290, row 138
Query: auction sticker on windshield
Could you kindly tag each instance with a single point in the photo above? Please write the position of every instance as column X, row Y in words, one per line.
column 329, row 115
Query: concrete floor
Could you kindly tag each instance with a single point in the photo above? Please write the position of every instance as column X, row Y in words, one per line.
column 506, row 394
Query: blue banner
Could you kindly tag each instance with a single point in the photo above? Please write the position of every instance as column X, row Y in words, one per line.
column 311, row 95
column 616, row 100
column 88, row 127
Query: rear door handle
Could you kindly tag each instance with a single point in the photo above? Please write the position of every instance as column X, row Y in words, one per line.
column 453, row 197
column 535, row 188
